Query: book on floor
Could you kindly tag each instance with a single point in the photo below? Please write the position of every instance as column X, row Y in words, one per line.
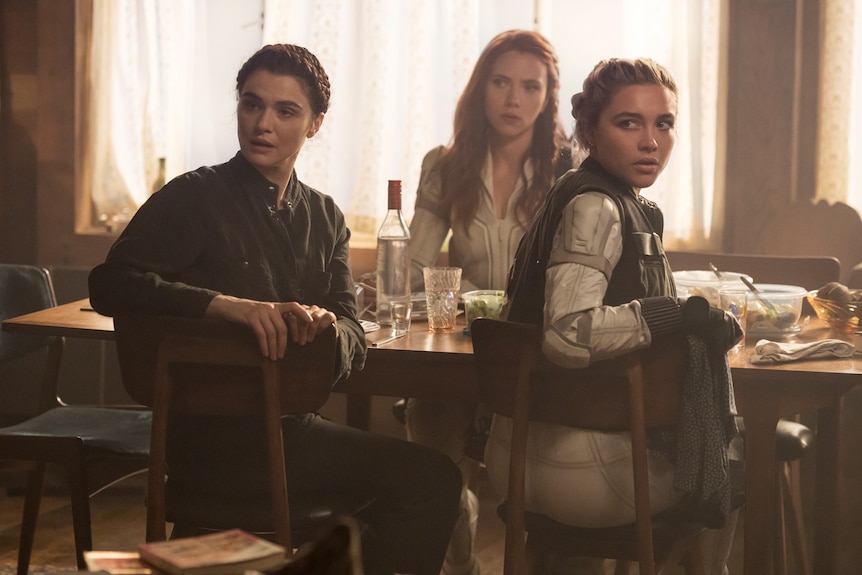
column 117, row 563
column 223, row 553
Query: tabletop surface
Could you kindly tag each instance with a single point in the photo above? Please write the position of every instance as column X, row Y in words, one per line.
column 77, row 319
column 74, row 319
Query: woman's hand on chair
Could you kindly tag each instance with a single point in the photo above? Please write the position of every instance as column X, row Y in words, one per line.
column 303, row 332
column 266, row 320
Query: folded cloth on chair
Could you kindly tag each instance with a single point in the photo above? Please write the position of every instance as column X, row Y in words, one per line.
column 772, row 351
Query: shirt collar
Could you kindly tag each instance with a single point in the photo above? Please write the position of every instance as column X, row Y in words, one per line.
column 257, row 183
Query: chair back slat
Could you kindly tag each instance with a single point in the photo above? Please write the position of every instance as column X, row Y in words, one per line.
column 29, row 364
column 23, row 289
column 595, row 397
column 211, row 358
column 810, row 272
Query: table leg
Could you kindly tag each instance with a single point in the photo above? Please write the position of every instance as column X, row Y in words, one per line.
column 760, row 421
column 826, row 510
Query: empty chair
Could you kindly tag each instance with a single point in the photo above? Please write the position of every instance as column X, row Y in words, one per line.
column 94, row 446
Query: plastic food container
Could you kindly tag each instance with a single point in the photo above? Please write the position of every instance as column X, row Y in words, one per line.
column 779, row 318
column 483, row 303
column 705, row 283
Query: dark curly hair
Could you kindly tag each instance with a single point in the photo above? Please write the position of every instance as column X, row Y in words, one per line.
column 606, row 79
column 290, row 60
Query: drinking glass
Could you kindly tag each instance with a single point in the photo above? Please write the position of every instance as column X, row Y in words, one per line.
column 401, row 309
column 734, row 300
column 442, row 288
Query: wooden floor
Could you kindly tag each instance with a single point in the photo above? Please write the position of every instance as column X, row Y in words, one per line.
column 118, row 518
column 118, row 524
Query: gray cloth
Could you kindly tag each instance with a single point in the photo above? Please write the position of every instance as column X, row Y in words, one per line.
column 766, row 351
column 707, row 425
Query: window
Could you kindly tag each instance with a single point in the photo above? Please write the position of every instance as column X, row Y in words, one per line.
column 397, row 68
column 839, row 141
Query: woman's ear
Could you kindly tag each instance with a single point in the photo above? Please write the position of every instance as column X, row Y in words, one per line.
column 591, row 139
column 315, row 126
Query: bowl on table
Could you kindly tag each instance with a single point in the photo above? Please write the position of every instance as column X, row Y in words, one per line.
column 705, row 283
column 774, row 310
column 844, row 317
column 483, row 303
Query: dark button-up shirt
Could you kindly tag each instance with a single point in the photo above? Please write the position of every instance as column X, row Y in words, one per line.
column 219, row 230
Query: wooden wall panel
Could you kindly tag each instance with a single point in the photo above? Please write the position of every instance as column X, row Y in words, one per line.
column 18, row 88
column 760, row 113
column 773, row 70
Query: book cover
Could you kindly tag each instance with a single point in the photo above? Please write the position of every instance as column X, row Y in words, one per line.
column 117, row 563
column 222, row 553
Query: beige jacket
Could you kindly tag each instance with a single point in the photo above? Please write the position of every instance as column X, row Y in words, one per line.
column 487, row 253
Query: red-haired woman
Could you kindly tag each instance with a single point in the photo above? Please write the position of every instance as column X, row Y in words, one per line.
column 484, row 188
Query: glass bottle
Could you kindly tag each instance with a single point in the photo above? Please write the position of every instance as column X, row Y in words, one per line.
column 393, row 266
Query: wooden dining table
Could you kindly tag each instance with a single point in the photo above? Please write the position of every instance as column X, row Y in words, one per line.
column 440, row 366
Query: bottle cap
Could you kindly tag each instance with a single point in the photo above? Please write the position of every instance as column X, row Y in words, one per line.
column 394, row 194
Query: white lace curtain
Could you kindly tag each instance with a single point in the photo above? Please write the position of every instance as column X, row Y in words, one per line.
column 139, row 80
column 839, row 138
column 415, row 57
column 397, row 68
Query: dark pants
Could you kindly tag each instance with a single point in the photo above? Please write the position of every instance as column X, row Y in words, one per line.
column 414, row 491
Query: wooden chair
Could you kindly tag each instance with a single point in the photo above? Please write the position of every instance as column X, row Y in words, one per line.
column 808, row 228
column 792, row 440
column 95, row 446
column 184, row 366
column 855, row 279
column 517, row 382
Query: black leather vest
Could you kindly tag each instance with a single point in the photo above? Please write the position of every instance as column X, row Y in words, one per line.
column 642, row 271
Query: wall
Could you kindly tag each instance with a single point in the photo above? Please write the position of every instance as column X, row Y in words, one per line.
column 771, row 115
column 39, row 98
column 18, row 88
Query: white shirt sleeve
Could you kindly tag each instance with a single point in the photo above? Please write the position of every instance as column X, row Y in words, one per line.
column 579, row 329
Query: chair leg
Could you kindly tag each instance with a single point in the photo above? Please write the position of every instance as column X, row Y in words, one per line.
column 32, row 502
column 537, row 557
column 80, row 500
column 790, row 478
column 779, row 543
